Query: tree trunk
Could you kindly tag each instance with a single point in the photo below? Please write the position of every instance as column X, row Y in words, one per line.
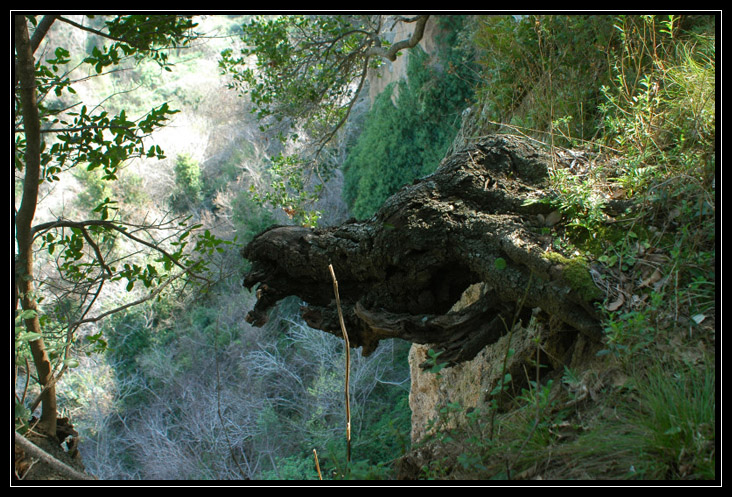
column 25, row 69
column 401, row 272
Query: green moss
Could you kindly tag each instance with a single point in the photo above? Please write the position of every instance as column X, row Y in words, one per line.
column 596, row 241
column 577, row 274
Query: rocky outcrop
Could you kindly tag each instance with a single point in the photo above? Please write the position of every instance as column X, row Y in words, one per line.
column 472, row 384
column 389, row 72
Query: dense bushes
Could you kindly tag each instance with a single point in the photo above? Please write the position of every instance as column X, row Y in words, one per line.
column 188, row 183
column 410, row 126
column 543, row 73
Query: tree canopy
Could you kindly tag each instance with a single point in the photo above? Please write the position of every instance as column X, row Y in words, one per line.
column 309, row 68
column 306, row 72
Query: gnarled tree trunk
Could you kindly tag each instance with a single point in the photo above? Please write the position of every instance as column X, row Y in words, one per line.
column 401, row 272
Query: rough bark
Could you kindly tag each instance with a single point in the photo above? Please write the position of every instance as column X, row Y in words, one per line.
column 401, row 271
column 393, row 51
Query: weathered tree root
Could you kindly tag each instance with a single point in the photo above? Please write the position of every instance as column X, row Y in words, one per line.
column 401, row 272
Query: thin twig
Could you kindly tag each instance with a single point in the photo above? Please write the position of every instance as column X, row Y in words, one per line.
column 348, row 363
column 317, row 464
column 149, row 296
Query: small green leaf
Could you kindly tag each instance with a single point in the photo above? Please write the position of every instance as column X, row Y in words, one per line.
column 28, row 314
column 500, row 263
column 673, row 430
column 433, row 354
column 437, row 368
column 21, row 411
column 29, row 337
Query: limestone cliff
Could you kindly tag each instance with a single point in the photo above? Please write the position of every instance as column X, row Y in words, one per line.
column 390, row 72
column 470, row 383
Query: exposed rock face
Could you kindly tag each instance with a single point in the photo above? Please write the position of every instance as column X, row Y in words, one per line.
column 466, row 384
column 470, row 383
column 402, row 271
column 390, row 72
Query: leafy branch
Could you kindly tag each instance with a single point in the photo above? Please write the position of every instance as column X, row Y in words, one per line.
column 307, row 72
column 97, row 140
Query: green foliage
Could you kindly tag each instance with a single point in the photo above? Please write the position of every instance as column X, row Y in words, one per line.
column 578, row 199
column 23, row 337
column 306, row 70
column 96, row 138
column 659, row 108
column 249, row 217
column 389, row 427
column 406, row 139
column 142, row 36
column 662, row 91
column 302, row 73
column 295, row 467
column 649, row 93
column 678, row 418
column 131, row 334
column 289, row 191
column 432, row 361
column 97, row 141
column 188, row 183
column 102, row 143
column 304, row 66
column 502, row 385
column 662, row 427
column 95, row 188
column 543, row 72
column 358, row 470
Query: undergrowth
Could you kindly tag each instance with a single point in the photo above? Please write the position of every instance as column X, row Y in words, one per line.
column 654, row 415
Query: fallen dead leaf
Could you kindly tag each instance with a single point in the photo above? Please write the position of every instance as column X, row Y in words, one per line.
column 615, row 305
column 657, row 275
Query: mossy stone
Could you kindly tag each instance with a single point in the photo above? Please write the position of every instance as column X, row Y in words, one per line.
column 577, row 274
